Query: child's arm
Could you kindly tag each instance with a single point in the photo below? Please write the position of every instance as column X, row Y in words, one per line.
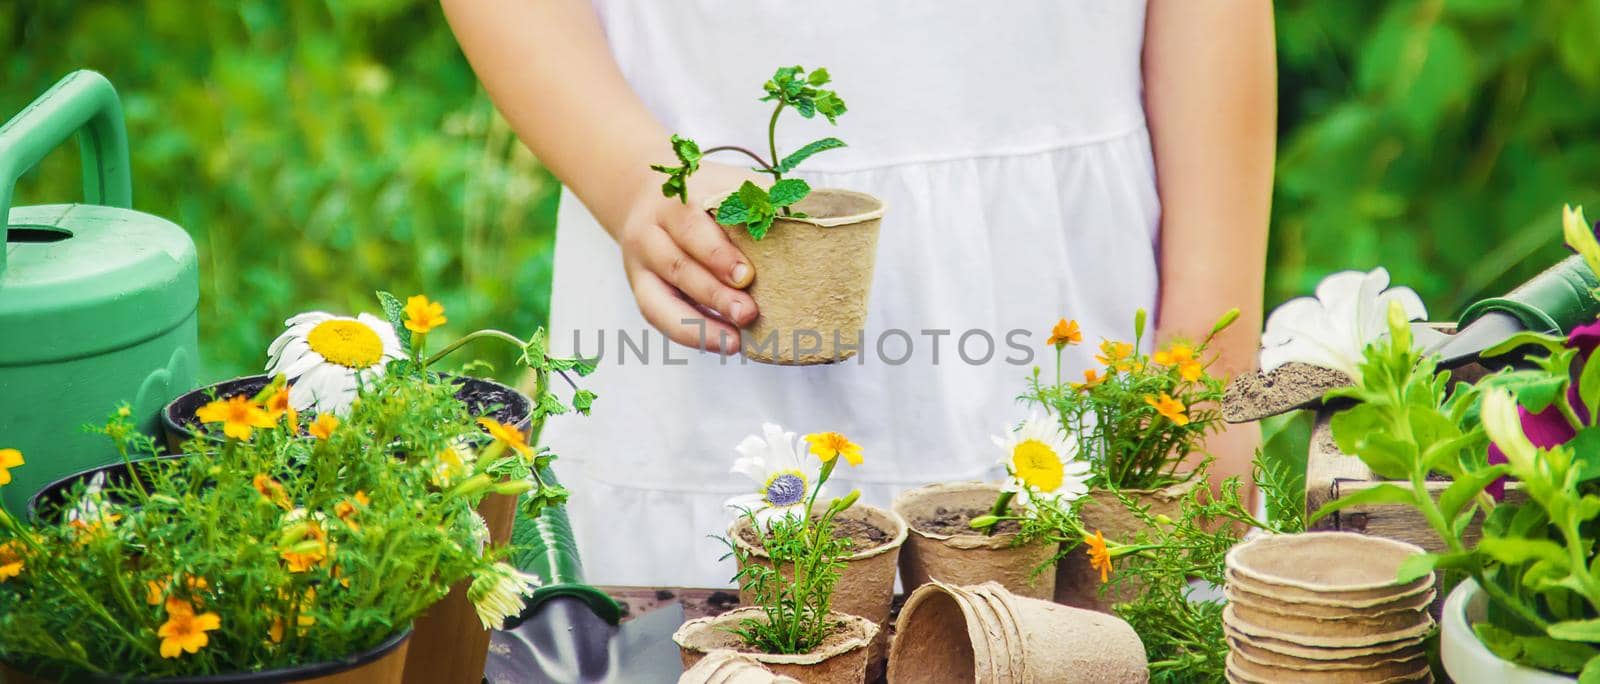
column 547, row 67
column 1211, row 95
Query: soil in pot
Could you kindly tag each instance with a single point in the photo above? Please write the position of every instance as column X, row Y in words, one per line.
column 1077, row 582
column 866, row 585
column 947, row 634
column 942, row 546
column 381, row 664
column 808, row 316
column 840, row 659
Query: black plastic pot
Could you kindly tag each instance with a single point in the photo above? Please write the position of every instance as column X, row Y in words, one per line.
column 178, row 417
column 47, row 504
column 381, row 664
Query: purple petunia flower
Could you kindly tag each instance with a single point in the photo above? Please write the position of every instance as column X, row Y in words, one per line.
column 1548, row 428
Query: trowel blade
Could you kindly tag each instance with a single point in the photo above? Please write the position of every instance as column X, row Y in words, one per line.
column 566, row 643
column 1468, row 343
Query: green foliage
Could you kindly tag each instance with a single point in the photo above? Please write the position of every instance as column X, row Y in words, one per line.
column 1144, row 415
column 751, row 206
column 313, row 149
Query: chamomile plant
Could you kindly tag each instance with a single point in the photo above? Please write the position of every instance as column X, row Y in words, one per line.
column 751, row 205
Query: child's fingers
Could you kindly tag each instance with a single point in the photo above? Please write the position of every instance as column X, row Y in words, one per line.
column 678, row 268
column 664, row 309
column 708, row 243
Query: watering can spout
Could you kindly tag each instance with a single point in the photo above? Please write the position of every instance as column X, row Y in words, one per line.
column 82, row 101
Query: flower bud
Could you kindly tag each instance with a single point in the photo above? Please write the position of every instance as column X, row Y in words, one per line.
column 1226, row 320
column 1399, row 324
column 984, row 522
column 473, row 485
column 511, row 487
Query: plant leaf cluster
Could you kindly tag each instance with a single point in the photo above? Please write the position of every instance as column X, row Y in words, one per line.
column 751, row 205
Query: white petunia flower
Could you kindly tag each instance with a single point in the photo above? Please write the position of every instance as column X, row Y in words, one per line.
column 497, row 592
column 326, row 357
column 1042, row 460
column 1333, row 329
column 773, row 460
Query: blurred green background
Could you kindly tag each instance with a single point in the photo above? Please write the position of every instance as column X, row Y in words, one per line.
column 319, row 150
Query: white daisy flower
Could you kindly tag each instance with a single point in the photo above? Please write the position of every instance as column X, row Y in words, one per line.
column 1042, row 460
column 497, row 592
column 773, row 460
column 325, row 357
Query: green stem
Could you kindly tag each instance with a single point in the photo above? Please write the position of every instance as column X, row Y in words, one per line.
column 1001, row 503
column 480, row 334
column 772, row 140
column 765, row 167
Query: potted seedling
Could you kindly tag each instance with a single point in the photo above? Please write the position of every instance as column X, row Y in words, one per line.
column 812, row 249
column 316, row 369
column 790, row 560
column 1530, row 610
column 266, row 554
column 1137, row 420
column 775, row 461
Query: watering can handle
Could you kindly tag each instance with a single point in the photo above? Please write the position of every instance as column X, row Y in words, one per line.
column 553, row 556
column 82, row 101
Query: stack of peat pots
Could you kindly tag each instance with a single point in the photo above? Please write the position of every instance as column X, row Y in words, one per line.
column 1325, row 607
column 985, row 634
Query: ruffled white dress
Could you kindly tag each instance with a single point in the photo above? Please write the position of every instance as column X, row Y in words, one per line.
column 1008, row 140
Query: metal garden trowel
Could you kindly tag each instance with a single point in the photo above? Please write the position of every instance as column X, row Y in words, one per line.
column 569, row 631
column 1555, row 301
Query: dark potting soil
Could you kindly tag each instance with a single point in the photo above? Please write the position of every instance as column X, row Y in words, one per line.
column 862, row 534
column 482, row 398
column 957, row 521
column 1253, row 396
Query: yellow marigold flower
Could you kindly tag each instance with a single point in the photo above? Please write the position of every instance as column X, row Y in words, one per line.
column 9, row 458
column 86, row 532
column 10, row 560
column 278, row 407
column 1099, row 557
column 275, row 632
column 185, row 632
column 1091, row 377
column 1117, row 356
column 423, row 316
column 1181, row 356
column 346, row 510
column 1170, row 408
column 1066, row 332
column 239, row 416
column 323, row 426
column 831, row 445
column 450, row 466
column 155, row 590
column 272, row 490
column 507, row 435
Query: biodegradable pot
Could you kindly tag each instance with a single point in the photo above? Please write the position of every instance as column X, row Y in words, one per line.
column 969, row 557
column 1077, row 582
column 948, row 634
column 1398, row 649
column 1292, row 622
column 1331, row 637
column 1404, row 604
column 813, row 276
column 1243, row 670
column 381, row 664
column 841, row 659
column 729, row 667
column 866, row 586
column 1322, row 663
column 1465, row 658
column 1324, row 568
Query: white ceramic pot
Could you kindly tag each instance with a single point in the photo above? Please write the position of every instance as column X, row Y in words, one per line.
column 1465, row 658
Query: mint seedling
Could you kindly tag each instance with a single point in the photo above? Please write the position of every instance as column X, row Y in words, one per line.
column 753, row 206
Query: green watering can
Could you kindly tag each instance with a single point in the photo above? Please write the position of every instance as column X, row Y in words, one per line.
column 97, row 301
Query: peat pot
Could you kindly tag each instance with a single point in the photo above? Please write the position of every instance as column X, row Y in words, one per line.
column 942, row 547
column 813, row 276
column 1077, row 582
column 381, row 664
column 841, row 659
column 97, row 301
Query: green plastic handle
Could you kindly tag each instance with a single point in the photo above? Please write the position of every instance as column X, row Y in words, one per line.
column 552, row 554
column 1555, row 301
column 82, row 101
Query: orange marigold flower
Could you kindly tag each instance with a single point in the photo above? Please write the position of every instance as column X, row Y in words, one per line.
column 1066, row 332
column 11, row 561
column 507, row 435
column 1099, row 557
column 422, row 315
column 239, row 416
column 1181, row 356
column 1170, row 408
column 831, row 445
column 309, row 552
column 346, row 510
column 272, row 490
column 184, row 631
column 1091, row 377
column 323, row 426
column 278, row 407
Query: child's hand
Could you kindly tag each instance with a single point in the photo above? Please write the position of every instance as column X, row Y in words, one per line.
column 681, row 264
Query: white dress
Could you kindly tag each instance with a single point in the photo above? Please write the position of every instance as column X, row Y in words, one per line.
column 1008, row 140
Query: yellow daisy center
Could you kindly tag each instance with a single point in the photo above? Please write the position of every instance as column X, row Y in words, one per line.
column 1037, row 465
column 347, row 343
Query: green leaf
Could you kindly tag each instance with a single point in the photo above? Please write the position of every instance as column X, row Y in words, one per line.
column 1379, row 494
column 818, row 77
column 790, row 162
column 1551, row 343
column 582, row 400
column 1466, row 487
column 395, row 312
column 732, row 211
column 1517, row 550
column 1587, row 631
column 1591, row 671
column 754, row 197
column 830, row 105
column 788, row 191
column 1416, row 566
column 677, row 183
column 549, row 405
